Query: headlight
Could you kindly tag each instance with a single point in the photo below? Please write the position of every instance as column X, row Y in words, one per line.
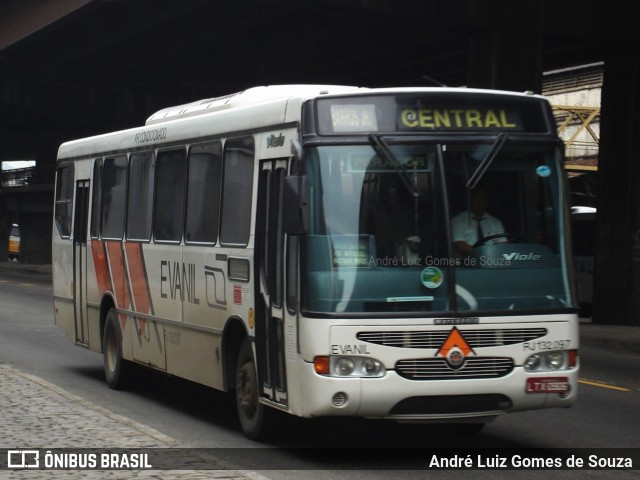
column 533, row 362
column 344, row 367
column 353, row 367
column 371, row 367
column 555, row 360
column 548, row 361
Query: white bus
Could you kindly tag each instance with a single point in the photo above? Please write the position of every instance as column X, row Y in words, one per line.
column 294, row 244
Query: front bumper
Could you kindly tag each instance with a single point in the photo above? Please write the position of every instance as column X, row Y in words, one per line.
column 395, row 397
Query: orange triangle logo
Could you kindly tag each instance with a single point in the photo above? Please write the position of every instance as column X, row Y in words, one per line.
column 455, row 339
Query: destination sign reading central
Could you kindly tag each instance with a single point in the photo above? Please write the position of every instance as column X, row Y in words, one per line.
column 457, row 119
column 445, row 112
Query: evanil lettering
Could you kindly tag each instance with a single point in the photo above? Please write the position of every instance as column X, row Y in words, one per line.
column 456, row 118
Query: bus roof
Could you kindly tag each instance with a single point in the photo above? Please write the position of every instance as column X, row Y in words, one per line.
column 251, row 96
column 275, row 105
column 265, row 94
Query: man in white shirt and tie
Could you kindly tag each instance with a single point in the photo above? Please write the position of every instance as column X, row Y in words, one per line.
column 470, row 226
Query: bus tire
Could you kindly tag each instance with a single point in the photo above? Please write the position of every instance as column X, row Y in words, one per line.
column 255, row 417
column 116, row 369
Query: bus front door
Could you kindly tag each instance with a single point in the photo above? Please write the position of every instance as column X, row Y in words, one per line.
column 270, row 311
column 80, row 261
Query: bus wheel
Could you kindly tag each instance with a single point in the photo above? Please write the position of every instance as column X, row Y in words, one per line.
column 116, row 369
column 254, row 416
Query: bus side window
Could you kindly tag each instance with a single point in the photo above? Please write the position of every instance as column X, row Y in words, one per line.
column 168, row 215
column 96, row 198
column 203, row 193
column 236, row 193
column 114, row 196
column 140, row 196
column 64, row 200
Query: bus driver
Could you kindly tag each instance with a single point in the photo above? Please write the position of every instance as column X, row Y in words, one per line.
column 470, row 226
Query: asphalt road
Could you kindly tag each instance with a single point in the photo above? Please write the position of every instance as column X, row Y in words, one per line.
column 606, row 415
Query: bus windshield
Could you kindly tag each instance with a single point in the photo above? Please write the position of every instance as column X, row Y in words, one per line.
column 444, row 228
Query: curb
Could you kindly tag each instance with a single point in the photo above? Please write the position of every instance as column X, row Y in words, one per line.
column 167, row 442
column 14, row 382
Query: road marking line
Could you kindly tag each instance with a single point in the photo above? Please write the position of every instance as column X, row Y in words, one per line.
column 603, row 385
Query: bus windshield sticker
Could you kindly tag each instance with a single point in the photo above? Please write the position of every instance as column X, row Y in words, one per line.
column 543, row 171
column 351, row 250
column 431, row 277
column 429, row 298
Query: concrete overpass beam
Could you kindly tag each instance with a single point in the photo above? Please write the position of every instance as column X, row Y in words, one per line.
column 617, row 256
column 18, row 20
column 506, row 46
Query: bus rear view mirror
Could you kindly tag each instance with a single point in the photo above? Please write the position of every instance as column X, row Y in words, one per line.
column 297, row 150
column 296, row 209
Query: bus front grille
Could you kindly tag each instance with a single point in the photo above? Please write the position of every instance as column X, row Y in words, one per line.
column 435, row 338
column 439, row 369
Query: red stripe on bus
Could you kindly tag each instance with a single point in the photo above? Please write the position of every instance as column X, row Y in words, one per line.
column 139, row 283
column 100, row 265
column 118, row 277
column 137, row 274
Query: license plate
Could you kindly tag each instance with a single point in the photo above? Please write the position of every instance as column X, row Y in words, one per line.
column 548, row 385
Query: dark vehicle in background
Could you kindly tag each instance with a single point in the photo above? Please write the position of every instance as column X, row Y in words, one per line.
column 14, row 243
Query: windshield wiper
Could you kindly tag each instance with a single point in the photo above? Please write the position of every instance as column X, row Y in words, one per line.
column 486, row 161
column 382, row 147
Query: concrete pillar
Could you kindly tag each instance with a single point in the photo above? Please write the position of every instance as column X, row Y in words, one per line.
column 506, row 46
column 617, row 256
column 5, row 228
column 35, row 241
